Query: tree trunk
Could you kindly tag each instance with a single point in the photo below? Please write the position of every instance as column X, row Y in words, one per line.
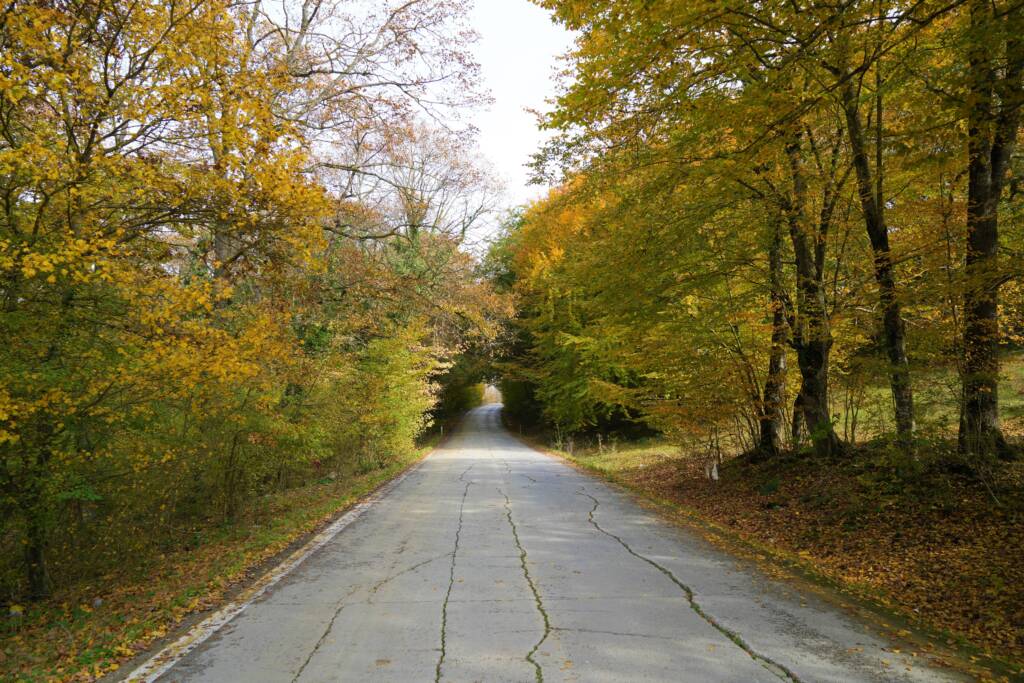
column 35, row 556
column 812, row 358
column 980, row 431
column 775, row 385
column 35, row 510
column 798, row 428
column 872, row 207
column 813, row 343
column 812, row 333
column 993, row 124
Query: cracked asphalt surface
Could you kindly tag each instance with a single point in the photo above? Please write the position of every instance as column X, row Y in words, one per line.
column 493, row 562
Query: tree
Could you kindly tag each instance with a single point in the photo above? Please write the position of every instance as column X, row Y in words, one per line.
column 658, row 90
column 994, row 98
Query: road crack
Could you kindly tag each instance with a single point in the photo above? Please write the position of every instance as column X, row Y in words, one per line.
column 620, row 634
column 338, row 608
column 342, row 604
column 451, row 579
column 388, row 579
column 538, row 670
column 771, row 665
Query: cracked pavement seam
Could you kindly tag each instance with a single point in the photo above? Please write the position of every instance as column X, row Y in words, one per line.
column 342, row 604
column 380, row 584
column 621, row 634
column 773, row 666
column 533, row 589
column 451, row 579
column 339, row 606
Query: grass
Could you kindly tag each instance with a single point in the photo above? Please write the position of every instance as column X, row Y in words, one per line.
column 89, row 630
column 864, row 411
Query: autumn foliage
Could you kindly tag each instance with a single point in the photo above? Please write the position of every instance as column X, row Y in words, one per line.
column 231, row 262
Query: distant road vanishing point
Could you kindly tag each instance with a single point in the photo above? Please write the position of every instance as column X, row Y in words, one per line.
column 491, row 561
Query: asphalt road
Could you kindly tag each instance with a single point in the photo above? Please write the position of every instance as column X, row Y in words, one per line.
column 493, row 562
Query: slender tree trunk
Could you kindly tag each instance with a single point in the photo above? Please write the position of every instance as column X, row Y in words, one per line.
column 35, row 556
column 232, row 475
column 37, row 458
column 993, row 126
column 36, row 527
column 872, row 206
column 775, row 385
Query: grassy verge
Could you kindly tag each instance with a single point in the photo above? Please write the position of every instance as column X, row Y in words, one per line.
column 939, row 549
column 91, row 630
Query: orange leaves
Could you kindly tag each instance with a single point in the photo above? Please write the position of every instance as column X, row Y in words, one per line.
column 549, row 227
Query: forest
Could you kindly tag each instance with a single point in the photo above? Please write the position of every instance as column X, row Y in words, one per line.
column 777, row 286
column 780, row 284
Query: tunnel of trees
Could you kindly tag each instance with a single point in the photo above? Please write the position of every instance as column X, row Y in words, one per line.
column 240, row 261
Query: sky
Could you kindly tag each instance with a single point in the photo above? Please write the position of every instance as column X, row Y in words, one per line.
column 518, row 55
